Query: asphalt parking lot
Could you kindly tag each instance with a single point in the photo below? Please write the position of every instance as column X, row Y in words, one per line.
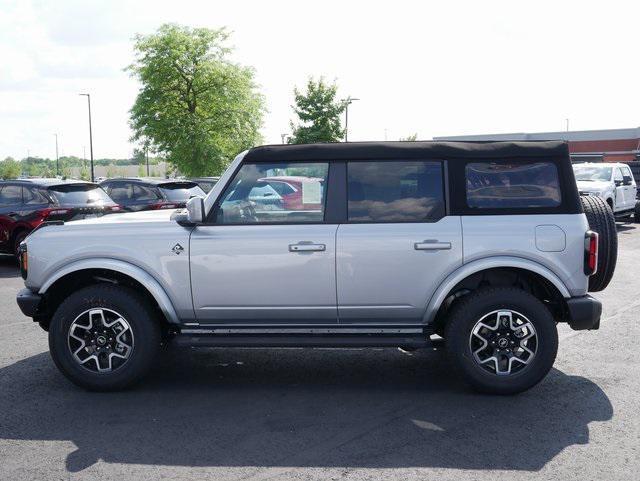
column 327, row 414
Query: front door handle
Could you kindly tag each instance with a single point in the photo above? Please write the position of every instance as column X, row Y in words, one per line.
column 303, row 247
column 432, row 245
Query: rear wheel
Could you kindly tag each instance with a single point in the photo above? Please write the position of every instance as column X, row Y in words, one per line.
column 601, row 220
column 104, row 337
column 502, row 340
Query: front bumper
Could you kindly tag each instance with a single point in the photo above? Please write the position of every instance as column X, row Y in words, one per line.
column 584, row 313
column 29, row 302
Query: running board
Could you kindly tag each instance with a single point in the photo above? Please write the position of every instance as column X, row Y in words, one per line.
column 304, row 337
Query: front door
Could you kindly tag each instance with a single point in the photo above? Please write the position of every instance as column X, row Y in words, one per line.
column 397, row 245
column 261, row 261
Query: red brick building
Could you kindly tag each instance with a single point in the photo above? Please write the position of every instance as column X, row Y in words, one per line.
column 612, row 145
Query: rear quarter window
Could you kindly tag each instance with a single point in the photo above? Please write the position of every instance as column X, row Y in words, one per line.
column 512, row 185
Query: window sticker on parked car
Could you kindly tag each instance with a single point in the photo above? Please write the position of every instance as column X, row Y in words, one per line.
column 311, row 192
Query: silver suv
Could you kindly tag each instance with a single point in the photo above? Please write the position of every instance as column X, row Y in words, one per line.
column 482, row 247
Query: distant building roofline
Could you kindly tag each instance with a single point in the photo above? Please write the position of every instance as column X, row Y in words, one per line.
column 572, row 135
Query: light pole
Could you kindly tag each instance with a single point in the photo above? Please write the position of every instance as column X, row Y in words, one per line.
column 90, row 134
column 57, row 158
column 347, row 102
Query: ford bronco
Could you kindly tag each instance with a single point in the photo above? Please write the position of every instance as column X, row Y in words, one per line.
column 480, row 247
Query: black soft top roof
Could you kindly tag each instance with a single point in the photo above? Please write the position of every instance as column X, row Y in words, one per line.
column 407, row 150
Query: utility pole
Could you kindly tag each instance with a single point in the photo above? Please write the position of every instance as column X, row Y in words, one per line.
column 57, row 158
column 347, row 102
column 90, row 135
column 567, row 124
column 146, row 154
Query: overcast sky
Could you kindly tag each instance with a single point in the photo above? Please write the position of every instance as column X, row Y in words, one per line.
column 431, row 68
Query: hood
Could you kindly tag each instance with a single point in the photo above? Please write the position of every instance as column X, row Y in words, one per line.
column 160, row 215
column 593, row 185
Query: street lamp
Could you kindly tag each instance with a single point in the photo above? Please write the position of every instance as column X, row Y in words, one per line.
column 57, row 163
column 90, row 134
column 347, row 102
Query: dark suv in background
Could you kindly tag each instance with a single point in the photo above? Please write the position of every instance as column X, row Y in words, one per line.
column 135, row 194
column 205, row 183
column 26, row 203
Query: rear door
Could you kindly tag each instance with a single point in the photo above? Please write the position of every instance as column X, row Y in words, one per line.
column 397, row 245
column 629, row 187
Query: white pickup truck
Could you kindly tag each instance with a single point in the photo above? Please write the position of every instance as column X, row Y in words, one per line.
column 612, row 182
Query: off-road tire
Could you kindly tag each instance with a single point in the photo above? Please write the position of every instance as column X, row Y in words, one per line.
column 601, row 220
column 470, row 309
column 146, row 333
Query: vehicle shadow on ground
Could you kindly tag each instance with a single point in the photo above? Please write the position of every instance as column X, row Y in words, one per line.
column 300, row 408
column 8, row 267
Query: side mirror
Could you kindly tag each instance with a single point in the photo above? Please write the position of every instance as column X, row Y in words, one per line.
column 194, row 213
column 618, row 183
column 627, row 180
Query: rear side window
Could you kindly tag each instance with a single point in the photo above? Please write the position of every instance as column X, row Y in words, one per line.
column 33, row 196
column 393, row 191
column 517, row 185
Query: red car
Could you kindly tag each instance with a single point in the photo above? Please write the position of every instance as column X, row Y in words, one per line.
column 297, row 192
column 27, row 203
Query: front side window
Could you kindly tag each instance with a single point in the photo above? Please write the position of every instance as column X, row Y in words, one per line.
column 517, row 185
column 617, row 175
column 10, row 195
column 253, row 196
column 393, row 191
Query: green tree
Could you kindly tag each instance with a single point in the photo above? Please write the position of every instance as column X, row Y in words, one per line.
column 84, row 171
column 194, row 106
column 318, row 112
column 410, row 138
column 10, row 168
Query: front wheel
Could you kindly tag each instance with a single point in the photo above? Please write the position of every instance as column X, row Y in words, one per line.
column 502, row 340
column 104, row 337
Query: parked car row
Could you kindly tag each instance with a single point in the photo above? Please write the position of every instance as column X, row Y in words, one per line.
column 27, row 203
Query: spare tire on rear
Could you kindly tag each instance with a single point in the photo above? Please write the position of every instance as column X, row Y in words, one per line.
column 601, row 220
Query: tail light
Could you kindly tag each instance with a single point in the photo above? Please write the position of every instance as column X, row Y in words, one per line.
column 164, row 205
column 23, row 258
column 590, row 253
column 52, row 212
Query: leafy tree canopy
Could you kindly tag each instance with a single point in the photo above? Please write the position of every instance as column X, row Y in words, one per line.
column 194, row 106
column 10, row 168
column 318, row 112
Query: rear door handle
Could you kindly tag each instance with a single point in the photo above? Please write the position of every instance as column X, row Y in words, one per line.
column 301, row 247
column 429, row 245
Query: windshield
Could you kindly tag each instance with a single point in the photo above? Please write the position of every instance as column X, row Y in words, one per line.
column 80, row 194
column 592, row 172
column 181, row 191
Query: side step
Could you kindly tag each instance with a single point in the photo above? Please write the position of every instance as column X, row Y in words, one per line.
column 304, row 337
